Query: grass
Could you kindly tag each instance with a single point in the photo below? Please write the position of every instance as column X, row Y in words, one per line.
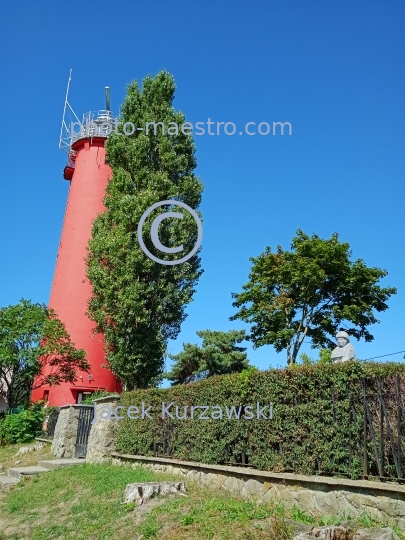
column 80, row 503
column 8, row 458
column 86, row 503
column 209, row 514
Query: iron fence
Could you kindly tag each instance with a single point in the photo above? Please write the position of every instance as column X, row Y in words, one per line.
column 371, row 427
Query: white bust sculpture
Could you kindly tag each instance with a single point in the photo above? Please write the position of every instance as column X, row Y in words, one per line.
column 344, row 351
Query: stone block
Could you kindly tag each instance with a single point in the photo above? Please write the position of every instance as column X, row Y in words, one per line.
column 219, row 480
column 142, row 492
column 385, row 533
column 236, row 486
column 322, row 502
column 288, row 499
column 272, row 495
column 208, row 479
column 103, row 433
column 254, row 488
column 267, row 486
column 64, row 439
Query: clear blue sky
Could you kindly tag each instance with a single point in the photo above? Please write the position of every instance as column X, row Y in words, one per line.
column 335, row 70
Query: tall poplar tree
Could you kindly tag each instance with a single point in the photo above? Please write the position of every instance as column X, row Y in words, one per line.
column 139, row 304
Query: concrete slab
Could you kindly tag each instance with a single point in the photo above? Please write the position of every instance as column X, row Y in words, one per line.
column 7, row 481
column 19, row 472
column 56, row 463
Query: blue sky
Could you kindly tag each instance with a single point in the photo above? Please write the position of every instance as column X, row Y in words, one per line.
column 335, row 70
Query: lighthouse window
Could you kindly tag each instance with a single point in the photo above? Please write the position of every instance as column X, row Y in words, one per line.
column 82, row 395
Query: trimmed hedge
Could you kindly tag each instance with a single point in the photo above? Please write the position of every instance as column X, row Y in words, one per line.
column 317, row 425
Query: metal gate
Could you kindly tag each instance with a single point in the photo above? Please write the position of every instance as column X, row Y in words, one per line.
column 86, row 415
column 51, row 424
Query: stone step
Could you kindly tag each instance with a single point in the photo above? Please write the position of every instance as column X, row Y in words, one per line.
column 41, row 439
column 7, row 481
column 56, row 463
column 20, row 472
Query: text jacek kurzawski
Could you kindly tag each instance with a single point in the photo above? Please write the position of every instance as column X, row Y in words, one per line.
column 185, row 412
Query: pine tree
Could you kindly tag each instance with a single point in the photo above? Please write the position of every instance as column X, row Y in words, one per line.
column 219, row 354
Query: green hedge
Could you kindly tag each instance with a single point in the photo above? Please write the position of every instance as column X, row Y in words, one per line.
column 317, row 425
column 22, row 427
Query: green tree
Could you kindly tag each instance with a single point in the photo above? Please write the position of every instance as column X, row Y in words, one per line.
column 325, row 357
column 309, row 292
column 217, row 355
column 32, row 337
column 139, row 304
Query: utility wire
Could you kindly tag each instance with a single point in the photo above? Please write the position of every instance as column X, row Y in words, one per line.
column 382, row 356
column 374, row 357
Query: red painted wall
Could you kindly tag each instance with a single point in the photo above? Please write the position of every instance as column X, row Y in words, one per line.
column 70, row 288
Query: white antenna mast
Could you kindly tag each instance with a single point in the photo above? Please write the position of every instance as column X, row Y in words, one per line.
column 65, row 134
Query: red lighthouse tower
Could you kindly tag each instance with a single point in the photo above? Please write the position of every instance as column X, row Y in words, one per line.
column 88, row 174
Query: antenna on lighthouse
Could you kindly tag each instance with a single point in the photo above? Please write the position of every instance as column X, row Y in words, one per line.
column 107, row 98
column 65, row 130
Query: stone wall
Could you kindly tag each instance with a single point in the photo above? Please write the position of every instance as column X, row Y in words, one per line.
column 64, row 438
column 384, row 502
column 103, row 433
